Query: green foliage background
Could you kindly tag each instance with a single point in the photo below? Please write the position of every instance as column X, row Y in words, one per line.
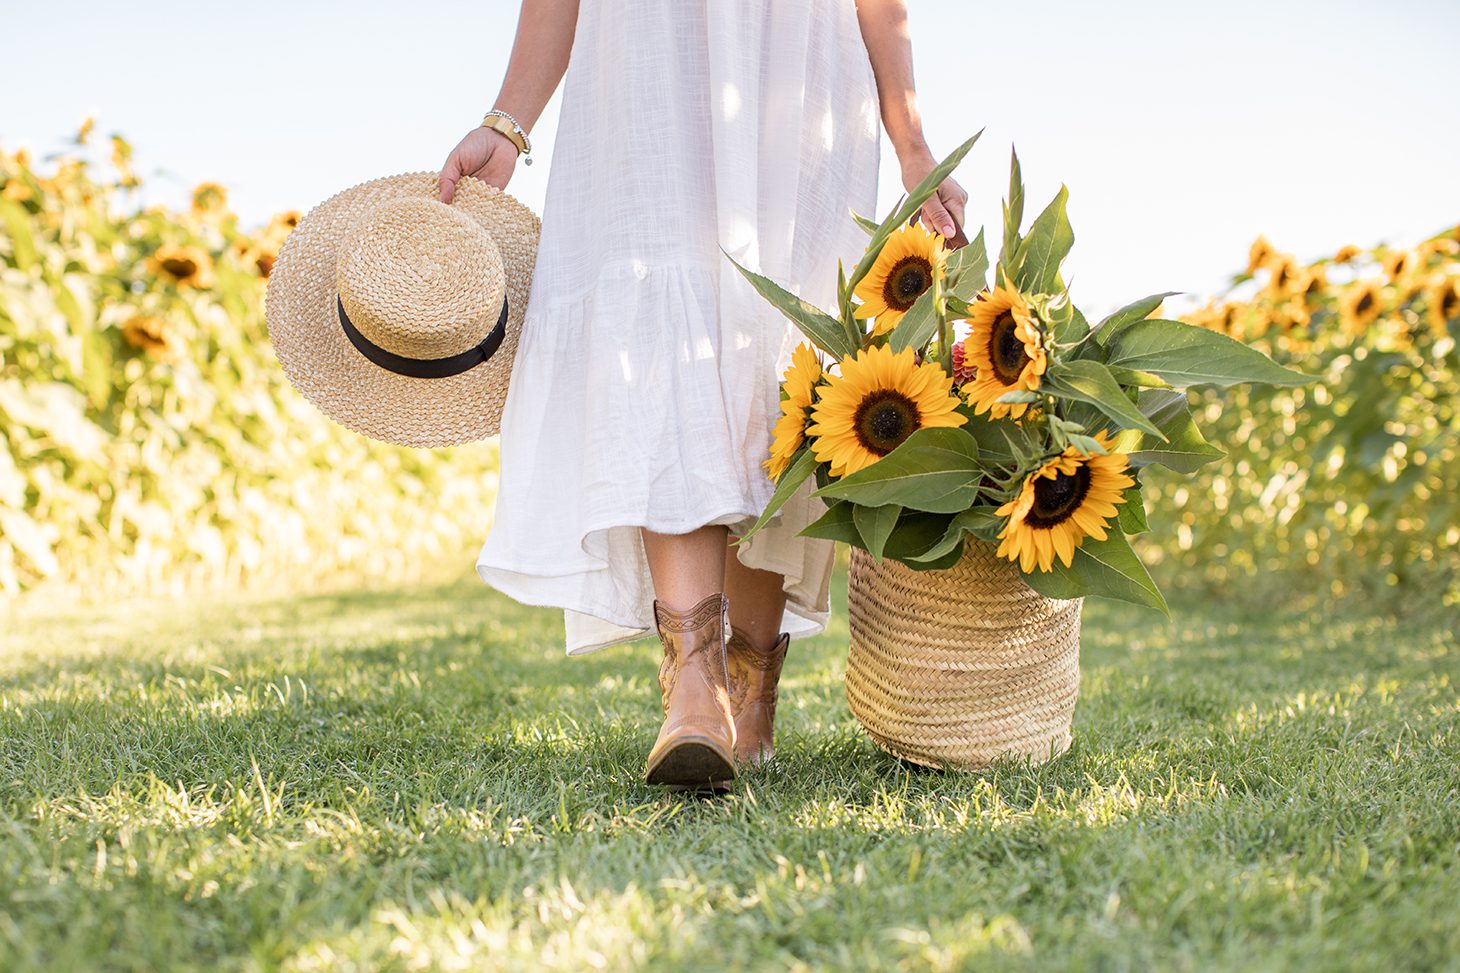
column 149, row 439
column 1352, row 480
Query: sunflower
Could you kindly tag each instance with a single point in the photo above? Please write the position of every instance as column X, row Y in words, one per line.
column 1006, row 349
column 876, row 402
column 904, row 269
column 1069, row 498
column 1346, row 253
column 184, row 265
column 1398, row 264
column 1360, row 306
column 1313, row 282
column 152, row 336
column 1439, row 245
column 1283, row 273
column 209, row 197
column 790, row 431
column 1444, row 301
column 1259, row 254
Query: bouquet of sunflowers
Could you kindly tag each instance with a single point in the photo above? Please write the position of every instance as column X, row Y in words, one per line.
column 993, row 412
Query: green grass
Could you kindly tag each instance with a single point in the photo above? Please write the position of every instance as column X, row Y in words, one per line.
column 420, row 779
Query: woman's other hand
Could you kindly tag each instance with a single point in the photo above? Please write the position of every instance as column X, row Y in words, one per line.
column 942, row 211
column 484, row 153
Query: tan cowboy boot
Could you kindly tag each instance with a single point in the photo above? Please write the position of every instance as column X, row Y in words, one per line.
column 696, row 744
column 754, row 676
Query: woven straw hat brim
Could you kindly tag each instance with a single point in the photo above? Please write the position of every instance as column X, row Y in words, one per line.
column 330, row 372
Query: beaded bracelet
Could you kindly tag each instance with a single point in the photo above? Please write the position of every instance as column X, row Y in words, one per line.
column 515, row 132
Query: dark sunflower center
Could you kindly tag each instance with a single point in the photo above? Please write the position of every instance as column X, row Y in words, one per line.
column 1365, row 302
column 1055, row 500
column 906, row 282
column 1450, row 304
column 1281, row 276
column 179, row 267
column 1006, row 351
column 884, row 419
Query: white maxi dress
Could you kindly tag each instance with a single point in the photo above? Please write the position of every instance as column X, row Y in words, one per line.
column 645, row 384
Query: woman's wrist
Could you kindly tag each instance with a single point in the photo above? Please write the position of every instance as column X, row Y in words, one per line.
column 913, row 152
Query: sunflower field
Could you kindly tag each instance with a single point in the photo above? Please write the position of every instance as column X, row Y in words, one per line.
column 148, row 438
column 1353, row 477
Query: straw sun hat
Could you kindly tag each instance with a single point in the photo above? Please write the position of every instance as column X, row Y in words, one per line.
column 398, row 315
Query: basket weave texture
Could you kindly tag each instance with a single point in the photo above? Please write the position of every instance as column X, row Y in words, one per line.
column 957, row 667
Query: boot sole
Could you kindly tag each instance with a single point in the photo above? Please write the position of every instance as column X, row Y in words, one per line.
column 691, row 763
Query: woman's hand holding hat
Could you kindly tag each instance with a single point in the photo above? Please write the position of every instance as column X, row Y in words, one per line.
column 484, row 153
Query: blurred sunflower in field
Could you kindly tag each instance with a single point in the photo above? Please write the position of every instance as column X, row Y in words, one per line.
column 1442, row 248
column 188, row 266
column 1283, row 271
column 1313, row 285
column 1360, row 305
column 209, row 197
column 876, row 402
column 153, row 336
column 1006, row 348
column 790, row 431
column 1443, row 298
column 1346, row 253
column 1398, row 263
column 1259, row 254
column 1069, row 498
column 904, row 269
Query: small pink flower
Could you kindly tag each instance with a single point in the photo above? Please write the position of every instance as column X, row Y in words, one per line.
column 962, row 372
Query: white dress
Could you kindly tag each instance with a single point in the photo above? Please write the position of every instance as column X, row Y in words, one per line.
column 645, row 384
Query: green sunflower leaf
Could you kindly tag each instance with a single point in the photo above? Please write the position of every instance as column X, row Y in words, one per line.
column 869, row 225
column 910, row 205
column 1048, row 243
column 1185, row 355
column 946, row 561
column 1133, row 512
column 802, row 465
column 825, row 331
column 874, row 524
column 1108, row 569
column 836, row 524
column 1185, row 449
column 916, row 531
column 1013, row 215
column 968, row 269
column 980, row 521
column 935, row 469
column 1089, row 381
column 1113, row 323
column 916, row 326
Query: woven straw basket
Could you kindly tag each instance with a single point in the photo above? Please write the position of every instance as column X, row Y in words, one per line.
column 956, row 667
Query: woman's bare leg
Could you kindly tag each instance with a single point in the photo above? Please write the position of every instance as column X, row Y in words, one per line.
column 686, row 568
column 696, row 742
column 757, row 600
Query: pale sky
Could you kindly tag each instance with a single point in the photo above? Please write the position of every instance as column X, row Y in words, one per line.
column 1181, row 129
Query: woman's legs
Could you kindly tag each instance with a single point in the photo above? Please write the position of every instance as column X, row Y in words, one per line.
column 757, row 649
column 686, row 568
column 757, row 600
column 696, row 743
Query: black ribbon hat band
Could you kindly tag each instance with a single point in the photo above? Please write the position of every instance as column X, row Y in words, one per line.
column 426, row 367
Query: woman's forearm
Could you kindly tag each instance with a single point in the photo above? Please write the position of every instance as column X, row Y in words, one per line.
column 889, row 48
column 545, row 30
